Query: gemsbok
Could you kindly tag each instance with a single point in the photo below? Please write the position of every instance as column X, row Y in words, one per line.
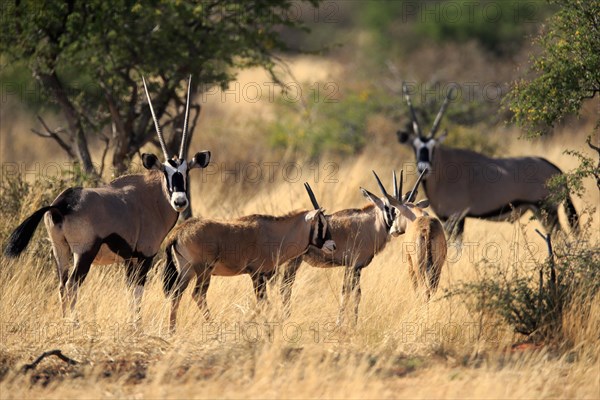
column 424, row 240
column 462, row 183
column 360, row 234
column 253, row 244
column 126, row 220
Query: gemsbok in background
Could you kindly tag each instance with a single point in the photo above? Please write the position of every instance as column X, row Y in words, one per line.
column 360, row 234
column 425, row 243
column 253, row 244
column 462, row 183
column 126, row 220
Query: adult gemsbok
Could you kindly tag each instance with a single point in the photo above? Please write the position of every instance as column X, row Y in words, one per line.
column 462, row 183
column 125, row 220
column 424, row 241
column 360, row 234
column 254, row 245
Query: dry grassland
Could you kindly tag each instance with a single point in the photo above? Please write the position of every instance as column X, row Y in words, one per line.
column 401, row 347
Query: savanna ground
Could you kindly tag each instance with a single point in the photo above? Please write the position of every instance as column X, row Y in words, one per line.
column 401, row 347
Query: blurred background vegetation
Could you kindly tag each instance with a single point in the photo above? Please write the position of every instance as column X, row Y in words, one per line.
column 340, row 65
column 356, row 55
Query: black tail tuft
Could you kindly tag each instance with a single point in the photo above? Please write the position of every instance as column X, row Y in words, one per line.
column 170, row 273
column 19, row 239
column 572, row 214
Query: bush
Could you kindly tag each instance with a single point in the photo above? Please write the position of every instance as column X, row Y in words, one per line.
column 534, row 300
column 338, row 125
column 498, row 26
column 325, row 124
column 19, row 198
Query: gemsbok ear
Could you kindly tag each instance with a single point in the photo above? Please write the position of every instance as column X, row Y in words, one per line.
column 406, row 212
column 311, row 215
column 442, row 137
column 423, row 203
column 403, row 136
column 372, row 198
column 150, row 161
column 200, row 160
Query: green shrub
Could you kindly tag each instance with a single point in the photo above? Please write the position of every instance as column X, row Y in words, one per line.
column 20, row 198
column 533, row 299
column 498, row 26
column 325, row 125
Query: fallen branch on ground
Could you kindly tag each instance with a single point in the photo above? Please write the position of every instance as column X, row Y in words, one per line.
column 58, row 353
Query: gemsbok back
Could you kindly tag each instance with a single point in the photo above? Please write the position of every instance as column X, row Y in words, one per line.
column 424, row 241
column 462, row 183
column 360, row 234
column 254, row 245
column 126, row 220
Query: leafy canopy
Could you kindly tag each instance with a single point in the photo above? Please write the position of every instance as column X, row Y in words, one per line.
column 88, row 57
column 566, row 73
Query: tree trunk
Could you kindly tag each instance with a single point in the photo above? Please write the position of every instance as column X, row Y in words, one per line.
column 121, row 137
column 55, row 87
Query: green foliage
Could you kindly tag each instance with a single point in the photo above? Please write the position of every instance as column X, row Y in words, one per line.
column 473, row 138
column 561, row 186
column 330, row 122
column 530, row 296
column 499, row 26
column 566, row 73
column 89, row 56
column 325, row 123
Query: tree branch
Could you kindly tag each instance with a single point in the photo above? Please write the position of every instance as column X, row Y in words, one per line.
column 592, row 95
column 589, row 143
column 597, row 149
column 58, row 353
column 55, row 86
column 50, row 134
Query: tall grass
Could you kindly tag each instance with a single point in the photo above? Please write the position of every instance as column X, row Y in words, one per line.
column 401, row 347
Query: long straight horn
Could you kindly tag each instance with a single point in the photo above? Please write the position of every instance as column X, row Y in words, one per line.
column 381, row 187
column 185, row 121
column 413, row 193
column 313, row 199
column 438, row 118
column 398, row 193
column 158, row 132
column 413, row 114
column 395, row 184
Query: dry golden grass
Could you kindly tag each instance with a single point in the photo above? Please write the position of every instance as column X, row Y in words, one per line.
column 401, row 347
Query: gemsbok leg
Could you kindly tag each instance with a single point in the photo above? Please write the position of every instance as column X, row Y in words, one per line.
column 413, row 274
column 182, row 280
column 82, row 262
column 200, row 291
column 350, row 292
column 181, row 284
column 62, row 256
column 289, row 276
column 136, row 274
column 259, row 282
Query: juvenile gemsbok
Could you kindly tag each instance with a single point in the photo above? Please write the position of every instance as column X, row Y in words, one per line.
column 254, row 244
column 360, row 234
column 125, row 220
column 462, row 183
column 424, row 240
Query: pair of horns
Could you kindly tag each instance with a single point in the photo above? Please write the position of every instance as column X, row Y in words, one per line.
column 397, row 189
column 438, row 118
column 410, row 197
column 161, row 139
column 313, row 199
